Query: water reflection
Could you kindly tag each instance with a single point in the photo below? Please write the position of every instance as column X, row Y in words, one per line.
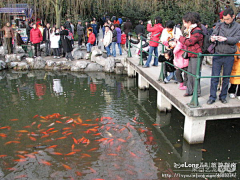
column 112, row 129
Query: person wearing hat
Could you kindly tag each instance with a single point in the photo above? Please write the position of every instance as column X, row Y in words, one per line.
column 80, row 32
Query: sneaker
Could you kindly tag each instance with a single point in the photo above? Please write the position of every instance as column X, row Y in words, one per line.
column 58, row 57
column 238, row 97
column 232, row 96
column 54, row 57
column 165, row 80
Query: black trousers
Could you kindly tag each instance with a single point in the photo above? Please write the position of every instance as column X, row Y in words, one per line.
column 233, row 88
column 37, row 49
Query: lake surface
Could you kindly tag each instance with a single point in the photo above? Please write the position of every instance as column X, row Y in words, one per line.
column 61, row 125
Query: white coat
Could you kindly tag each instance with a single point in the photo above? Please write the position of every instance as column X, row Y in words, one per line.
column 54, row 40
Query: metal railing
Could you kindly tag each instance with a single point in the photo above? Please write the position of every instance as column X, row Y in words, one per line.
column 194, row 103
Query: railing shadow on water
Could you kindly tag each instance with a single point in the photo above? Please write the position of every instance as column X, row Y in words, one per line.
column 194, row 103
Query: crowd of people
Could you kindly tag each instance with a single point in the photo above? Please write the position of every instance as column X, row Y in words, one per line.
column 225, row 35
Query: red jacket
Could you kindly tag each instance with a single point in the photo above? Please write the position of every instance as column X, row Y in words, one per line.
column 194, row 43
column 35, row 36
column 91, row 38
column 156, row 31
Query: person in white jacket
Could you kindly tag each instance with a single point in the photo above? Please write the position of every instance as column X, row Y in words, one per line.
column 54, row 39
column 107, row 40
column 170, row 31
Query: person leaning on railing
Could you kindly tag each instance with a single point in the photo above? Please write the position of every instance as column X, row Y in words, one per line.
column 194, row 42
column 226, row 35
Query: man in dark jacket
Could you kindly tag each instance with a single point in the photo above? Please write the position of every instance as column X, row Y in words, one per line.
column 140, row 28
column 80, row 32
column 226, row 35
column 66, row 43
column 46, row 39
column 127, row 27
column 68, row 25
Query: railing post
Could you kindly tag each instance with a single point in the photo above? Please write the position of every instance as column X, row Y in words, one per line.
column 161, row 76
column 129, row 46
column 141, row 50
column 194, row 102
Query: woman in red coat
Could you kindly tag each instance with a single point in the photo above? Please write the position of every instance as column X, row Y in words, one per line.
column 36, row 38
column 193, row 40
column 156, row 31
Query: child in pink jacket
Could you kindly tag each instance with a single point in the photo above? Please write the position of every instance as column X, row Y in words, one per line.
column 179, row 62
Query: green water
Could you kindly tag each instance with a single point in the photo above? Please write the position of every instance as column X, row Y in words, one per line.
column 92, row 126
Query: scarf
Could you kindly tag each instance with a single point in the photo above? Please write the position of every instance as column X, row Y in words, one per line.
column 187, row 32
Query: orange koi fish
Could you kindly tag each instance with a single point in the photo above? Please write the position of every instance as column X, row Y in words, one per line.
column 54, row 131
column 97, row 134
column 78, row 173
column 73, row 146
column 88, row 120
column 66, row 128
column 64, row 137
column 77, row 114
column 118, row 148
column 66, row 166
column 93, row 149
column 3, row 155
column 45, row 162
column 56, row 153
column 134, row 155
column 108, row 118
column 6, row 127
column 39, row 125
column 21, row 156
column 69, row 134
column 112, row 154
column 14, row 119
column 122, row 140
column 71, row 153
column 93, row 170
column 58, row 121
column 33, row 123
column 30, row 155
column 46, row 135
column 3, row 135
column 86, row 155
column 102, row 139
column 22, row 131
column 22, row 152
column 20, row 176
column 69, row 121
column 32, row 138
column 10, row 142
column 50, row 129
column 26, row 127
column 156, row 124
column 79, row 120
column 75, row 141
column 53, row 146
column 20, row 160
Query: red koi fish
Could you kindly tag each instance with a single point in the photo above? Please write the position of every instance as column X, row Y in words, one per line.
column 134, row 155
column 58, row 121
column 36, row 116
column 3, row 155
column 69, row 121
column 3, row 135
column 122, row 140
column 93, row 149
column 75, row 141
column 73, row 146
column 102, row 139
column 6, row 127
column 85, row 155
column 78, row 173
column 32, row 138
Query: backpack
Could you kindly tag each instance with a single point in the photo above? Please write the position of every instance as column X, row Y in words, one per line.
column 123, row 38
column 206, row 41
column 70, row 35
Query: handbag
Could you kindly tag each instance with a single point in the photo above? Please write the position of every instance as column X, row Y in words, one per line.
column 185, row 55
column 211, row 48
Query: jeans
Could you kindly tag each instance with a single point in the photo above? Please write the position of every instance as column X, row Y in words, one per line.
column 108, row 50
column 171, row 75
column 120, row 48
column 114, row 49
column 47, row 44
column 55, row 52
column 218, row 62
column 151, row 50
column 89, row 46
